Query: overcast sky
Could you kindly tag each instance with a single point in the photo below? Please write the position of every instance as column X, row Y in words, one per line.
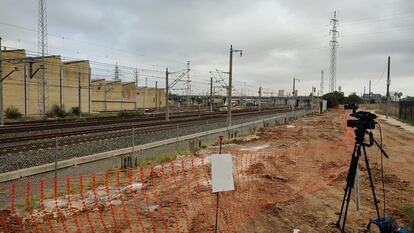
column 279, row 39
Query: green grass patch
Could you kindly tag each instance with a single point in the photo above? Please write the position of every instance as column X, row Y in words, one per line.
column 158, row 159
column 410, row 212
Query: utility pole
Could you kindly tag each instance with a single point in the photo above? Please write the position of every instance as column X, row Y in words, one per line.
column 79, row 94
column 369, row 94
column 260, row 99
column 312, row 93
column 334, row 44
column 244, row 90
column 188, row 84
column 293, row 94
column 321, row 87
column 1, row 88
column 167, row 106
column 136, row 77
column 211, row 94
column 229, row 102
column 145, row 93
column 364, row 94
column 156, row 95
column 136, row 86
column 388, row 86
column 106, row 99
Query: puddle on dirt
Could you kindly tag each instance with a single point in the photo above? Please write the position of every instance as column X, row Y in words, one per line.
column 290, row 126
column 240, row 147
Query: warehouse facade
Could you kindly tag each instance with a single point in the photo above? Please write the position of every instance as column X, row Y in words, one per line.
column 67, row 85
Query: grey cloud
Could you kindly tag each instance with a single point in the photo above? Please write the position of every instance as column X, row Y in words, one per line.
column 280, row 39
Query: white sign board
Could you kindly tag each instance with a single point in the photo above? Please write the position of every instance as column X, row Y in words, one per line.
column 222, row 173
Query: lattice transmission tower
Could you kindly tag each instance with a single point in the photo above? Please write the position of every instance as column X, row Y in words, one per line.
column 42, row 50
column 334, row 44
column 116, row 72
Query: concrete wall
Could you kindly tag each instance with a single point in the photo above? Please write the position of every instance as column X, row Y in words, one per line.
column 14, row 86
column 147, row 97
column 63, row 87
column 98, row 95
column 61, row 81
column 114, row 95
column 129, row 96
column 76, row 73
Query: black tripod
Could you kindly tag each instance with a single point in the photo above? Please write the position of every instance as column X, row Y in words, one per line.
column 350, row 180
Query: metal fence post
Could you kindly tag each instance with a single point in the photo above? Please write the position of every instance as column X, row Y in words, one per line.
column 133, row 140
column 405, row 111
column 206, row 128
column 176, row 142
column 56, row 154
column 133, row 149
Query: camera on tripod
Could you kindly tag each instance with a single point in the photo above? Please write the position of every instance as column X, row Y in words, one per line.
column 361, row 119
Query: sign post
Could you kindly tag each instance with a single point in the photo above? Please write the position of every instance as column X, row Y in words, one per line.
column 221, row 176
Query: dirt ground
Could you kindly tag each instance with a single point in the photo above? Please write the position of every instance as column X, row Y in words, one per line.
column 287, row 177
column 318, row 211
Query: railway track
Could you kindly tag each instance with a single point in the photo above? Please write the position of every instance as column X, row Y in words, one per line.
column 58, row 124
column 147, row 125
column 28, row 151
column 67, row 140
column 53, row 125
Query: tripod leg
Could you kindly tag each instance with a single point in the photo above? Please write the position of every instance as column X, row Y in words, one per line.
column 349, row 184
column 338, row 223
column 346, row 209
column 371, row 182
column 351, row 180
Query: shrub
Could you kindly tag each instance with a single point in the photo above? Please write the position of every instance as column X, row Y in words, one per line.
column 57, row 111
column 129, row 113
column 12, row 113
column 75, row 111
column 352, row 98
column 334, row 99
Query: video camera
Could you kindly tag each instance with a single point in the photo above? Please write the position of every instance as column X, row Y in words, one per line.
column 361, row 119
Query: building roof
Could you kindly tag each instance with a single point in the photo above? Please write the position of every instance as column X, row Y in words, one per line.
column 50, row 56
column 74, row 62
column 12, row 50
column 113, row 81
column 97, row 80
column 128, row 83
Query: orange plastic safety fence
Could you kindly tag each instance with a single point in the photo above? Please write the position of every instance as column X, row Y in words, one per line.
column 42, row 206
column 172, row 197
column 124, row 208
column 74, row 214
column 137, row 211
column 168, row 194
column 59, row 212
column 13, row 210
column 111, row 207
column 144, row 192
column 157, row 197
